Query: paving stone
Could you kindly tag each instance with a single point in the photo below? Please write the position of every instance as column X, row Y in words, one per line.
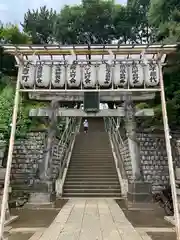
column 91, row 220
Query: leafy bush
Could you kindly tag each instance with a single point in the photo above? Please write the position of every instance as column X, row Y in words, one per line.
column 24, row 122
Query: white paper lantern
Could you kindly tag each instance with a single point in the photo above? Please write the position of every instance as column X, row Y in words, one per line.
column 120, row 74
column 136, row 76
column 74, row 75
column 89, row 75
column 58, row 75
column 104, row 75
column 43, row 75
column 151, row 74
column 28, row 76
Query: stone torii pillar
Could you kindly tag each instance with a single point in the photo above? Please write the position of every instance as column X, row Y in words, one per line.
column 139, row 192
column 46, row 165
column 134, row 149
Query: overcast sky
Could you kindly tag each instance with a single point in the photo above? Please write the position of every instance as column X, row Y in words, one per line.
column 13, row 10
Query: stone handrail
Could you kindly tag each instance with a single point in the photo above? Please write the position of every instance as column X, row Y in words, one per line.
column 65, row 143
column 117, row 143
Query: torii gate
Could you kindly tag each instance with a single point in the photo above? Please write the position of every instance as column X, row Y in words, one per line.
column 121, row 69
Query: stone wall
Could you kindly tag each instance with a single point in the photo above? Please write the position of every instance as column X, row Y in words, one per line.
column 58, row 154
column 154, row 162
column 127, row 159
column 28, row 160
column 28, row 155
column 154, row 158
column 2, row 151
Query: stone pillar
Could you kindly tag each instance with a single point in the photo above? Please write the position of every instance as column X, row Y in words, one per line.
column 46, row 171
column 133, row 149
column 139, row 192
column 130, row 124
column 67, row 121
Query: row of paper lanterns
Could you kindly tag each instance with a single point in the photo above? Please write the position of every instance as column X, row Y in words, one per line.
column 90, row 75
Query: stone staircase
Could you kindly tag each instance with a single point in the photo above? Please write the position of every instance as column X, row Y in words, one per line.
column 92, row 171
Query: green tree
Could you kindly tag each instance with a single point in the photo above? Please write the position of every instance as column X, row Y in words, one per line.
column 141, row 29
column 10, row 34
column 40, row 25
column 69, row 26
column 122, row 24
column 90, row 22
column 165, row 16
column 6, row 106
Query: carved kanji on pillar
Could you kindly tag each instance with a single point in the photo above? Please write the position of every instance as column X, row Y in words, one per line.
column 130, row 117
column 50, row 138
column 132, row 139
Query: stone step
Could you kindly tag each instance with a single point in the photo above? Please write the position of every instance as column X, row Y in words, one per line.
column 92, row 171
column 90, row 186
column 99, row 144
column 93, row 164
column 93, row 161
column 95, row 170
column 92, row 154
column 90, row 168
column 91, row 178
column 92, row 190
column 92, row 183
column 93, row 195
column 92, row 158
column 92, row 174
column 96, row 164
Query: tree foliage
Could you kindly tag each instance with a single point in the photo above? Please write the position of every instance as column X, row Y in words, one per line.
column 40, row 24
column 10, row 34
column 165, row 16
column 90, row 22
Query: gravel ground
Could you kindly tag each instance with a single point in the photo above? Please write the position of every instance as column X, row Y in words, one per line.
column 145, row 218
column 19, row 236
column 35, row 218
column 162, row 236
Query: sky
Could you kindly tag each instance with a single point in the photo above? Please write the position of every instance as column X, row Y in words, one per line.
column 13, row 10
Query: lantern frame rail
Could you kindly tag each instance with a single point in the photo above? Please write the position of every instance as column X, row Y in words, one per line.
column 96, row 49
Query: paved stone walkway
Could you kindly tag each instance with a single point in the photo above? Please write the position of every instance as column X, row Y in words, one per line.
column 90, row 220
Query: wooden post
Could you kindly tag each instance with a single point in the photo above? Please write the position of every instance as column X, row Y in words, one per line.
column 169, row 153
column 9, row 160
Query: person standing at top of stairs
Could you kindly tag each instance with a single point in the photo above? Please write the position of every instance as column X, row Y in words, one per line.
column 86, row 125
